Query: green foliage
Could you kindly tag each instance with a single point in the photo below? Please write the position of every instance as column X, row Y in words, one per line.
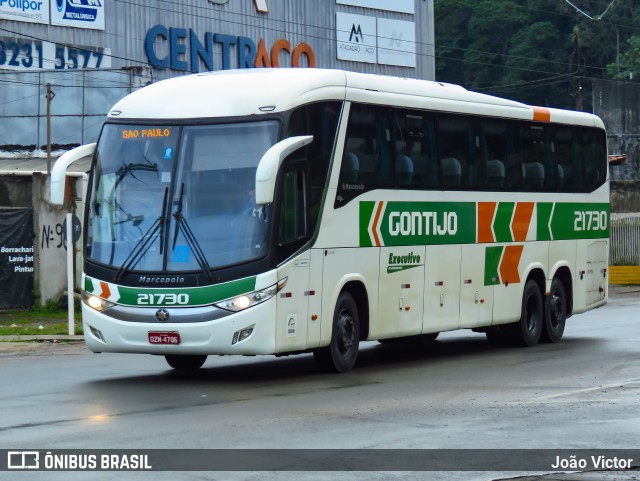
column 542, row 52
column 627, row 66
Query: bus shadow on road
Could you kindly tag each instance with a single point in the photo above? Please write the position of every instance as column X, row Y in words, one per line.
column 374, row 359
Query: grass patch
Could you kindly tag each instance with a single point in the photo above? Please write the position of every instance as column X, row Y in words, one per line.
column 40, row 320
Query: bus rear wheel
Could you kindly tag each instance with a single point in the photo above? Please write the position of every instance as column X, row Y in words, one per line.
column 556, row 312
column 341, row 354
column 185, row 362
column 531, row 323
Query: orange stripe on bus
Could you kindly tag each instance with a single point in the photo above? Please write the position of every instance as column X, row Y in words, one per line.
column 509, row 265
column 106, row 292
column 521, row 221
column 486, row 211
column 375, row 224
column 541, row 114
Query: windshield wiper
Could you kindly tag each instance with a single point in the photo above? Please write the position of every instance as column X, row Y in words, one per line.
column 128, row 169
column 145, row 242
column 183, row 226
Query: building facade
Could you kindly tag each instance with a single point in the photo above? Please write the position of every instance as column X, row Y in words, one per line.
column 76, row 58
column 93, row 52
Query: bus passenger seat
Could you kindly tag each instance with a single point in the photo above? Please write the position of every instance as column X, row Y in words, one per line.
column 451, row 172
column 564, row 177
column 533, row 175
column 404, row 170
column 350, row 167
column 495, row 173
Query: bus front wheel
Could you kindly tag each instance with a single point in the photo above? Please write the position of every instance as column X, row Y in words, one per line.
column 341, row 354
column 185, row 362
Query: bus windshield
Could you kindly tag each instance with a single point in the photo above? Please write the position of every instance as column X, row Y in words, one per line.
column 178, row 198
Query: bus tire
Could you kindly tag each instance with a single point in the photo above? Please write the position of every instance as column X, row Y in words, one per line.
column 341, row 354
column 185, row 362
column 555, row 312
column 531, row 323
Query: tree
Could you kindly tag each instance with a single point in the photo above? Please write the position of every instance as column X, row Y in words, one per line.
column 544, row 52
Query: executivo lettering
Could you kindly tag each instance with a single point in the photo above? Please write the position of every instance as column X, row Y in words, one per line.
column 402, row 262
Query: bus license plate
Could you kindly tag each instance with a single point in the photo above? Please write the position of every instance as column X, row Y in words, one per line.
column 164, row 337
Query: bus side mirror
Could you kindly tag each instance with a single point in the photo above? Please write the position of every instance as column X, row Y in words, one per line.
column 270, row 163
column 59, row 171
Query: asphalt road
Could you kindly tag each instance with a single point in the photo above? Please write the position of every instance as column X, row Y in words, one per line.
column 458, row 393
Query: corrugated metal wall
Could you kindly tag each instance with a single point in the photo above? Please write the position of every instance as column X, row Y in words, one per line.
column 625, row 240
column 78, row 109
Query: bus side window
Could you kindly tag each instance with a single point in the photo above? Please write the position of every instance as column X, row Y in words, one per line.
column 594, row 161
column 320, row 120
column 494, row 147
column 416, row 150
column 457, row 148
column 366, row 157
column 292, row 213
column 535, row 155
column 563, row 154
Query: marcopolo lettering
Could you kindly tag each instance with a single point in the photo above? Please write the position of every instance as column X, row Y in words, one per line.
column 24, row 5
column 160, row 280
column 423, row 223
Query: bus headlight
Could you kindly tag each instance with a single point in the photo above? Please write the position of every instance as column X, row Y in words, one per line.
column 240, row 303
column 95, row 302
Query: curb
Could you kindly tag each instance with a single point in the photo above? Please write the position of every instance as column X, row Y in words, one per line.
column 43, row 338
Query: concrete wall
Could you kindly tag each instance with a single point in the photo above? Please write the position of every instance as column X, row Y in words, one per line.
column 618, row 104
column 50, row 275
column 50, row 244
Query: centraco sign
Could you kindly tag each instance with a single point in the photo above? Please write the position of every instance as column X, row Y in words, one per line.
column 184, row 49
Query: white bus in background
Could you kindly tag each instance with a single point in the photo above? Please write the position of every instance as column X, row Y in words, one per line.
column 306, row 210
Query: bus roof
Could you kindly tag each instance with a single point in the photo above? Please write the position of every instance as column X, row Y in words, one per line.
column 246, row 92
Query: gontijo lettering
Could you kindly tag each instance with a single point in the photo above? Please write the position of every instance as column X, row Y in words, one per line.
column 423, row 223
column 23, row 5
column 145, row 133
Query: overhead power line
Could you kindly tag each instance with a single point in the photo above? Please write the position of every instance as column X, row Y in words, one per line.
column 597, row 17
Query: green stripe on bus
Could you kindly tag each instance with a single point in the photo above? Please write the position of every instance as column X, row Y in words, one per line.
column 572, row 220
column 195, row 296
column 502, row 223
column 421, row 223
column 492, row 256
column 366, row 212
column 544, row 210
column 88, row 284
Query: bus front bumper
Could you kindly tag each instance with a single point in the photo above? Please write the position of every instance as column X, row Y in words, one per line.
column 223, row 336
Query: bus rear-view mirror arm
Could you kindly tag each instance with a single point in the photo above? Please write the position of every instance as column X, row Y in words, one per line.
column 59, row 171
column 270, row 163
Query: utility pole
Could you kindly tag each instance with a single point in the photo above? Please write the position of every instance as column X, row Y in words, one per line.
column 50, row 96
column 578, row 93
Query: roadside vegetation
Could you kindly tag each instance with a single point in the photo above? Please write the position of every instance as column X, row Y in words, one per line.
column 39, row 320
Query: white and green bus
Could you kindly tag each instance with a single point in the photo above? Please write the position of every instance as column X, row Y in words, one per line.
column 304, row 210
